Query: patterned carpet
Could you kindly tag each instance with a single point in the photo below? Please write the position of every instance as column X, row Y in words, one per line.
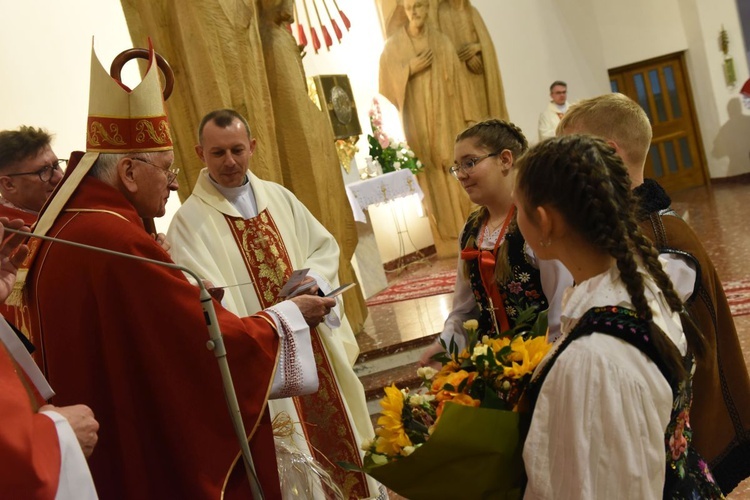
column 738, row 296
column 416, row 288
column 738, row 292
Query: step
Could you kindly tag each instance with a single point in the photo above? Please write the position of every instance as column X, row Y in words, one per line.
column 392, row 341
column 381, row 369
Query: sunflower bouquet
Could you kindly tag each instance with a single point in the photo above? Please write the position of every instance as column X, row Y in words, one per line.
column 480, row 434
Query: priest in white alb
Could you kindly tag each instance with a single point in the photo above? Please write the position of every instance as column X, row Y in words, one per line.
column 248, row 235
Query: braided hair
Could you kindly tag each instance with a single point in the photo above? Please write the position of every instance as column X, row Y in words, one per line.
column 583, row 178
column 495, row 135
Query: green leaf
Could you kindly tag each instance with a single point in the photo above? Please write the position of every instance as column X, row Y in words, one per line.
column 540, row 326
column 462, row 385
column 490, row 400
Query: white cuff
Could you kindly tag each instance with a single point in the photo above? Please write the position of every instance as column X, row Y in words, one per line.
column 75, row 477
column 296, row 373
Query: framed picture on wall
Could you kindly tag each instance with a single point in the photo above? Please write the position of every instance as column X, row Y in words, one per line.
column 334, row 96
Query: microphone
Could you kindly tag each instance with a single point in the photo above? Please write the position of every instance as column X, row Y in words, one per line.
column 215, row 344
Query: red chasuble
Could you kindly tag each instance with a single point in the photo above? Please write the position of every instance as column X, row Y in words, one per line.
column 129, row 339
column 19, row 316
column 29, row 446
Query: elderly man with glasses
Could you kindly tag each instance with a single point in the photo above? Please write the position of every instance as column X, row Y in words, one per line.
column 29, row 172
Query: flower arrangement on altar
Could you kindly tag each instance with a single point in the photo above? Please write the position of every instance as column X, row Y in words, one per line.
column 467, row 419
column 392, row 155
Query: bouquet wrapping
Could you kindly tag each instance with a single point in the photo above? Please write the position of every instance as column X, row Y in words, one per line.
column 463, row 437
column 472, row 453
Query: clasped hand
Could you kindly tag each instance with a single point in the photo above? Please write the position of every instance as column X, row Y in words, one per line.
column 421, row 62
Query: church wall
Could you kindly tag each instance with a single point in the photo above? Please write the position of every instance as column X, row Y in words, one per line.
column 540, row 42
column 45, row 63
column 638, row 30
column 643, row 29
column 725, row 124
column 46, row 45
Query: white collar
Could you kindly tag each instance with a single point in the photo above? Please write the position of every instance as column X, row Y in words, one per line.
column 232, row 193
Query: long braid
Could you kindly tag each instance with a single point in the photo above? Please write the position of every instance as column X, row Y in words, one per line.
column 695, row 338
column 586, row 182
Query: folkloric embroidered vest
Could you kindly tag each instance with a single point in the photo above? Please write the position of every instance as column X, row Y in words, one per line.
column 687, row 474
column 521, row 291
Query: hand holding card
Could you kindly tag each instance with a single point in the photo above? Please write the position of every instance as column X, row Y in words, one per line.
column 294, row 281
column 340, row 290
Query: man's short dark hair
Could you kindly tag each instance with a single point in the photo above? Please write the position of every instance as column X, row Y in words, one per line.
column 17, row 145
column 222, row 118
column 558, row 83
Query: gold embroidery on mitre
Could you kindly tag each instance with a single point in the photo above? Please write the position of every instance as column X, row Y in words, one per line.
column 97, row 128
column 161, row 136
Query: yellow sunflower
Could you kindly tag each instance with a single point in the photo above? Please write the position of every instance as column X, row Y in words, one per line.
column 530, row 353
column 391, row 435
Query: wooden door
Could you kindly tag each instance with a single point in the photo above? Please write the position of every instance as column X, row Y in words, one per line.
column 661, row 86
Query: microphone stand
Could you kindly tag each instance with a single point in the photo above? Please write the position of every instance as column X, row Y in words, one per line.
column 215, row 344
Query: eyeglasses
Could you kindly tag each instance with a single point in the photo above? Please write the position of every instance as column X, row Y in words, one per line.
column 45, row 173
column 171, row 173
column 467, row 164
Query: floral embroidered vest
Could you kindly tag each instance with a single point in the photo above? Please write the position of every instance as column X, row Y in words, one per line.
column 522, row 291
column 687, row 474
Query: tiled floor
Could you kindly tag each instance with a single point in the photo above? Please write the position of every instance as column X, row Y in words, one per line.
column 717, row 214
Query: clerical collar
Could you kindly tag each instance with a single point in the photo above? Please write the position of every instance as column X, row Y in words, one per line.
column 241, row 197
column 231, row 193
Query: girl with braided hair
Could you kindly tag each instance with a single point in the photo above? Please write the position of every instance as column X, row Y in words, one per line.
column 611, row 400
column 498, row 275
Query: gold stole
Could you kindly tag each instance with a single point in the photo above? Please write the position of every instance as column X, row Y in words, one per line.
column 323, row 415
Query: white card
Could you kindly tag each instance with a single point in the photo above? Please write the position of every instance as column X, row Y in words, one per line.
column 341, row 290
column 294, row 280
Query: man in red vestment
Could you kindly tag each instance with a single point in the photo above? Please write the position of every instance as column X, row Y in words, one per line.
column 29, row 172
column 129, row 338
column 39, row 452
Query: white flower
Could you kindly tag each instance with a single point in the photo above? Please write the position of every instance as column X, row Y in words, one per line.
column 480, row 350
column 419, row 163
column 426, row 372
column 409, row 153
column 397, row 165
column 379, row 459
column 416, row 400
column 524, row 277
column 399, row 155
column 428, row 397
column 407, row 450
column 366, row 444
